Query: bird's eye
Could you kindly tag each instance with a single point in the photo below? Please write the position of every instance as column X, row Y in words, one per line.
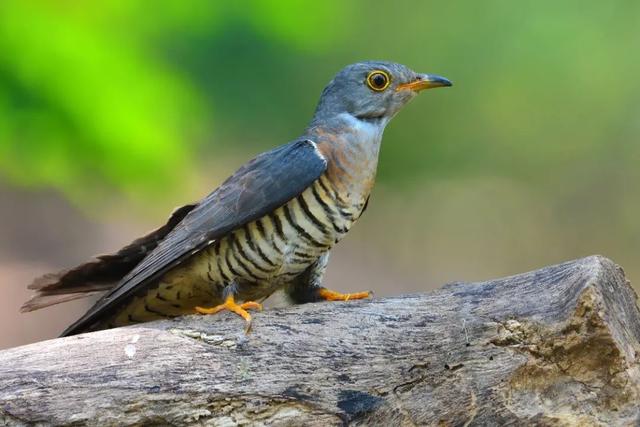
column 378, row 80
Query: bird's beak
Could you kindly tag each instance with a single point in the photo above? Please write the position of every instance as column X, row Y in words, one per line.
column 425, row 81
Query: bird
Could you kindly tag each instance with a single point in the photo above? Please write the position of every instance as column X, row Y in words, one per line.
column 270, row 226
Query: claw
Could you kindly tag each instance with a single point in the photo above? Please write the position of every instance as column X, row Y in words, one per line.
column 239, row 309
column 330, row 295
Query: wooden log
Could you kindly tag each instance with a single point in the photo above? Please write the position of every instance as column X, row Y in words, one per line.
column 557, row 346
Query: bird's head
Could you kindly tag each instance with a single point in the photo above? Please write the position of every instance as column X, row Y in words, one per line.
column 373, row 91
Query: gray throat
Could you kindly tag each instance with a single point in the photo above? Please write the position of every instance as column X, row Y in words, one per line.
column 364, row 135
column 358, row 142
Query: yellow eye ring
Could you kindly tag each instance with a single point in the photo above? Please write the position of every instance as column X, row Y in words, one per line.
column 378, row 80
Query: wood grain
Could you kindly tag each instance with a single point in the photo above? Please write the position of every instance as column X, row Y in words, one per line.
column 557, row 346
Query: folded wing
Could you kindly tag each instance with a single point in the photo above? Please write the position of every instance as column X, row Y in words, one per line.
column 260, row 186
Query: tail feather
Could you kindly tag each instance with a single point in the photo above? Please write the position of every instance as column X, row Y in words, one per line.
column 46, row 300
column 101, row 273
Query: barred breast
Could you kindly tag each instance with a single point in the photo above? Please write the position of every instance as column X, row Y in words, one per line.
column 256, row 259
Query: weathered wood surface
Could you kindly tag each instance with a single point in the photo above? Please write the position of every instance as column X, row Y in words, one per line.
column 556, row 346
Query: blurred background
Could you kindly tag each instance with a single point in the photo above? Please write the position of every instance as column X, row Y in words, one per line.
column 114, row 112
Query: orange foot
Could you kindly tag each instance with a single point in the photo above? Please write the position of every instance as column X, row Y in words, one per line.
column 330, row 295
column 239, row 309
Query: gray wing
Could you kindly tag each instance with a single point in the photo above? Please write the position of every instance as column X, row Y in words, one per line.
column 257, row 188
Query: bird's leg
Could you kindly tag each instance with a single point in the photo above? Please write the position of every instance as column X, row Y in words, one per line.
column 307, row 286
column 329, row 295
column 231, row 305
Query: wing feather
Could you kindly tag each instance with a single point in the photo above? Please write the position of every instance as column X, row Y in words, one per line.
column 265, row 183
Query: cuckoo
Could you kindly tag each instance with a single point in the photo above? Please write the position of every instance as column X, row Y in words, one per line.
column 269, row 226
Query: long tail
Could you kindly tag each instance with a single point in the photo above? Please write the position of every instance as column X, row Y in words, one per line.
column 101, row 273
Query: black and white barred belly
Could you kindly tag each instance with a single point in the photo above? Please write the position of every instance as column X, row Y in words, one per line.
column 269, row 252
column 255, row 260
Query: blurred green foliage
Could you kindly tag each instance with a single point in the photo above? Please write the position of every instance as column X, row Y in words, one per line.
column 141, row 96
column 93, row 98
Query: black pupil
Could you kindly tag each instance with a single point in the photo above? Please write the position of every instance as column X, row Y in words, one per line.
column 379, row 80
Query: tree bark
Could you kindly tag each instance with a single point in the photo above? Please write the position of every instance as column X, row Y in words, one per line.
column 557, row 346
